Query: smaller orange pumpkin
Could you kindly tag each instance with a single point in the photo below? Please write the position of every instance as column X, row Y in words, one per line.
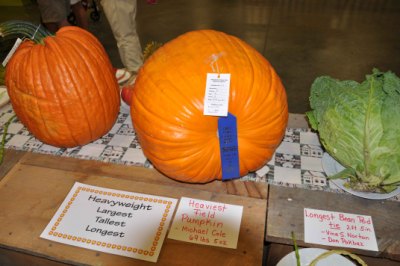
column 62, row 87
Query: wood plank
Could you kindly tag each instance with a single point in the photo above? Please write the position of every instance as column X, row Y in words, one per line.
column 285, row 214
column 234, row 187
column 30, row 195
column 10, row 257
column 11, row 157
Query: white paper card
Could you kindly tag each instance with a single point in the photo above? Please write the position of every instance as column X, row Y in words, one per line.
column 12, row 51
column 217, row 94
column 112, row 221
column 339, row 229
column 207, row 223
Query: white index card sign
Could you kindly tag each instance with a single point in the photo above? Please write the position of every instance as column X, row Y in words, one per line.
column 339, row 229
column 112, row 221
column 207, row 223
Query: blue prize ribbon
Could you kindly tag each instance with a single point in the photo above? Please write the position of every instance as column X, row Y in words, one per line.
column 228, row 144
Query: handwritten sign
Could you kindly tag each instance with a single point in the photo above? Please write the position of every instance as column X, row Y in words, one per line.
column 112, row 221
column 339, row 229
column 216, row 99
column 207, row 223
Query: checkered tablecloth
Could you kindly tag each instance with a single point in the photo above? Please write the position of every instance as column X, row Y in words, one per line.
column 296, row 162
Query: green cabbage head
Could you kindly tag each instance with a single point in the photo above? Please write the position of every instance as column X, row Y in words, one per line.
column 359, row 125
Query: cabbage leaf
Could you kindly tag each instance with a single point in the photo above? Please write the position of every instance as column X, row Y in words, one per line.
column 359, row 125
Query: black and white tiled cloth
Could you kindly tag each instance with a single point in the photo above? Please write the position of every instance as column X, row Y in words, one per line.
column 296, row 162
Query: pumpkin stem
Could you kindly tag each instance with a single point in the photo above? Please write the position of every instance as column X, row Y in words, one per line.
column 24, row 29
column 150, row 49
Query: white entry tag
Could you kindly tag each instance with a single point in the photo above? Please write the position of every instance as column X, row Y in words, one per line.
column 339, row 229
column 12, row 51
column 217, row 94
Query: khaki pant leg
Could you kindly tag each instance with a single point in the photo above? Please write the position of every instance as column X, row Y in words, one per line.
column 121, row 15
column 53, row 11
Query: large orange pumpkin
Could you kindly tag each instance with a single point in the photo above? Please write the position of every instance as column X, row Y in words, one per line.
column 168, row 100
column 62, row 87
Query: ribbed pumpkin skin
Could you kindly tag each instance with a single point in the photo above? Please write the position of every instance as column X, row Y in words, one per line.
column 64, row 91
column 167, row 106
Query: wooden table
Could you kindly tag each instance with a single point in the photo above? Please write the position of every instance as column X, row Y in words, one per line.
column 32, row 186
column 285, row 214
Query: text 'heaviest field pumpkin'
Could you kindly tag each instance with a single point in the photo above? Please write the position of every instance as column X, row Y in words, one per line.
column 168, row 101
column 62, row 87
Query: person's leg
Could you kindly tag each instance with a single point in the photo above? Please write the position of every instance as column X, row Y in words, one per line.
column 53, row 13
column 80, row 14
column 121, row 15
